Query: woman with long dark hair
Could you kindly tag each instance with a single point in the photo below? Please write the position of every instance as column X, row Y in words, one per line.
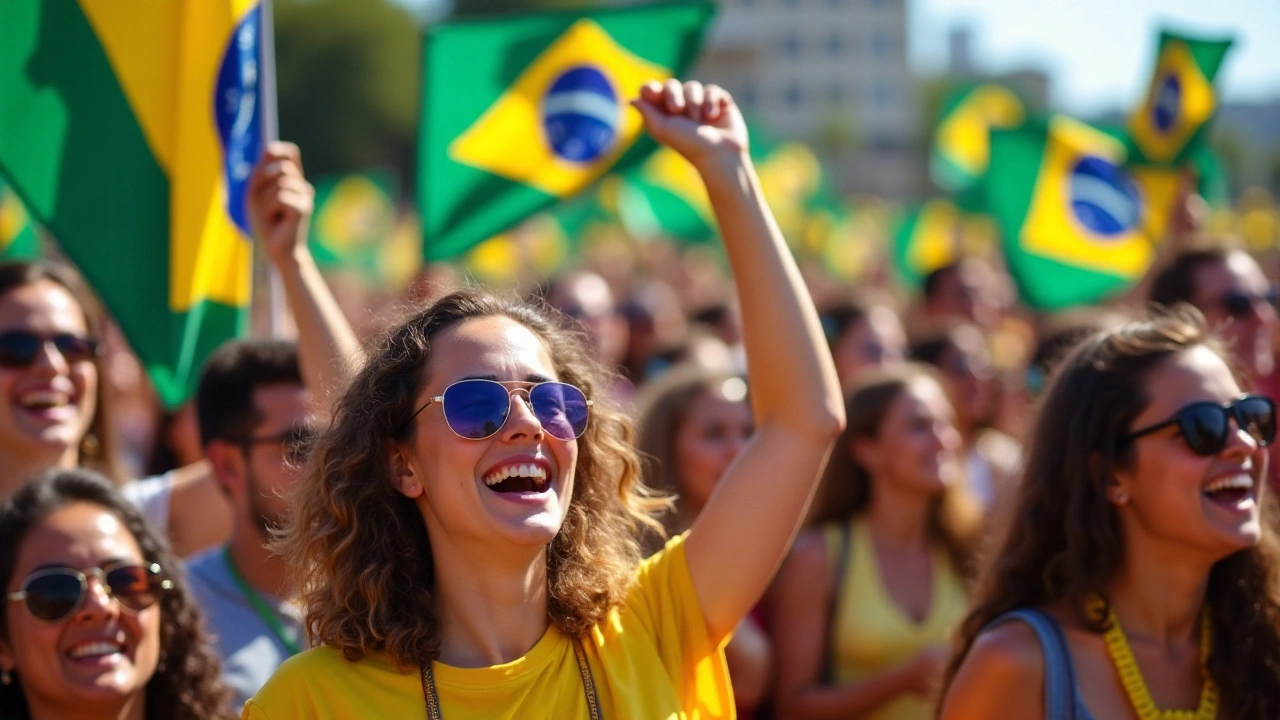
column 97, row 621
column 864, row 607
column 1139, row 575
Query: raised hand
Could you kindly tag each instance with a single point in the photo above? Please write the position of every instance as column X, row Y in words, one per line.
column 280, row 201
column 698, row 121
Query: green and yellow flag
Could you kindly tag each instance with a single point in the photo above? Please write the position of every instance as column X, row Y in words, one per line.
column 926, row 238
column 961, row 141
column 1072, row 217
column 129, row 130
column 18, row 238
column 1180, row 100
column 521, row 112
column 355, row 216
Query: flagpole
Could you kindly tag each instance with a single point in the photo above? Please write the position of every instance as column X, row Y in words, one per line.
column 271, row 132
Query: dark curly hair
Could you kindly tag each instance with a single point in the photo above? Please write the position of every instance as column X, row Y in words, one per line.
column 188, row 686
column 1064, row 541
column 359, row 550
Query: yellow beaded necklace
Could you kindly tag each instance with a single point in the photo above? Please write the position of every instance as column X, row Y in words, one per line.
column 1136, row 688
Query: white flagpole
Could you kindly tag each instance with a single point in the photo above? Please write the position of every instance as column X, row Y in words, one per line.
column 270, row 132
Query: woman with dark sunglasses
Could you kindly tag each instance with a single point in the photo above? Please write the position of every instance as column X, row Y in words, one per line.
column 467, row 540
column 1140, row 576
column 96, row 623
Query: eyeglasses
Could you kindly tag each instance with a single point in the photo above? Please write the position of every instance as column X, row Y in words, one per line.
column 1205, row 425
column 1241, row 305
column 477, row 409
column 296, row 443
column 19, row 348
column 55, row 594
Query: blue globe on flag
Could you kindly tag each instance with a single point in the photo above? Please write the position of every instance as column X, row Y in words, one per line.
column 1103, row 198
column 581, row 114
column 1168, row 101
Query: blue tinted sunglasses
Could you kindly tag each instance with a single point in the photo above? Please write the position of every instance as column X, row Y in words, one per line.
column 477, row 409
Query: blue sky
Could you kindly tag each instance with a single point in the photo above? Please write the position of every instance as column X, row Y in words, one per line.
column 1099, row 52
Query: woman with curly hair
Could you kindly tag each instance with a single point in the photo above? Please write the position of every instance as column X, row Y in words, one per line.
column 468, row 536
column 97, row 622
column 1140, row 572
column 864, row 608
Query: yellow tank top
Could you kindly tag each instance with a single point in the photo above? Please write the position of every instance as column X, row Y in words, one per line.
column 871, row 634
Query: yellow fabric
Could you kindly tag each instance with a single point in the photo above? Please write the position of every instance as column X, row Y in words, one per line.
column 872, row 634
column 651, row 658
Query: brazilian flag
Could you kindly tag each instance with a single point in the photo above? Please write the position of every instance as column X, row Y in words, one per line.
column 355, row 216
column 520, row 112
column 129, row 130
column 18, row 239
column 665, row 196
column 1180, row 100
column 1072, row 217
column 961, row 140
column 927, row 237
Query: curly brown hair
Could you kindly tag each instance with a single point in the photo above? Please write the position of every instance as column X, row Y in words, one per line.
column 1064, row 542
column 359, row 550
column 188, row 684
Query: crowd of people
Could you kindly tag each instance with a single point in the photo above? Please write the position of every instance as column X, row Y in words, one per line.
column 655, row 490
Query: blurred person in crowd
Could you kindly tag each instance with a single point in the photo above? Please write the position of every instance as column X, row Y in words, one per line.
column 256, row 423
column 862, row 334
column 863, row 609
column 694, row 422
column 55, row 407
column 990, row 456
column 1059, row 336
column 658, row 329
column 467, row 536
column 587, row 298
column 1230, row 289
column 968, row 290
column 1139, row 572
column 98, row 622
column 257, row 413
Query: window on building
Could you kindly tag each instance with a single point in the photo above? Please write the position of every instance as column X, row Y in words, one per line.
column 883, row 45
column 794, row 94
column 835, row 44
column 883, row 95
column 791, row 44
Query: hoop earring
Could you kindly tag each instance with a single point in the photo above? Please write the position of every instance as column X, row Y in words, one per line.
column 90, row 446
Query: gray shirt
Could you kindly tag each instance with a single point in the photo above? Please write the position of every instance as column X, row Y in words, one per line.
column 250, row 650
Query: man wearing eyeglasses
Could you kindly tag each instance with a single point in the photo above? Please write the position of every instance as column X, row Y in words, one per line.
column 1230, row 289
column 256, row 406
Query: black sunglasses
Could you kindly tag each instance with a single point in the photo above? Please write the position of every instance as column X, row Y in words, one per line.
column 296, row 443
column 19, row 348
column 477, row 409
column 1241, row 305
column 1205, row 425
column 54, row 594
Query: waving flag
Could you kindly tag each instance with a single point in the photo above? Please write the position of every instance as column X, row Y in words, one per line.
column 1073, row 218
column 18, row 240
column 961, row 142
column 537, row 111
column 129, row 130
column 1180, row 100
column 927, row 238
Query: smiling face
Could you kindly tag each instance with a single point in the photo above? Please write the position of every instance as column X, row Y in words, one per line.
column 917, row 447
column 47, row 406
column 99, row 656
column 716, row 426
column 1177, row 497
column 492, row 490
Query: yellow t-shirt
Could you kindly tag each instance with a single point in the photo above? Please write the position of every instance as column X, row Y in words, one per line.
column 650, row 658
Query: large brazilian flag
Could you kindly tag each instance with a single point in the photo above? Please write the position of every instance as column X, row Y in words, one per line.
column 1075, row 223
column 1180, row 99
column 129, row 130
column 522, row 111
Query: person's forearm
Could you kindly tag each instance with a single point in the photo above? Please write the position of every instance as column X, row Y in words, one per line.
column 328, row 350
column 791, row 373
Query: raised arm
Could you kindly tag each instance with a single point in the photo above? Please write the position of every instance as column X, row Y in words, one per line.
column 280, row 206
column 740, row 537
